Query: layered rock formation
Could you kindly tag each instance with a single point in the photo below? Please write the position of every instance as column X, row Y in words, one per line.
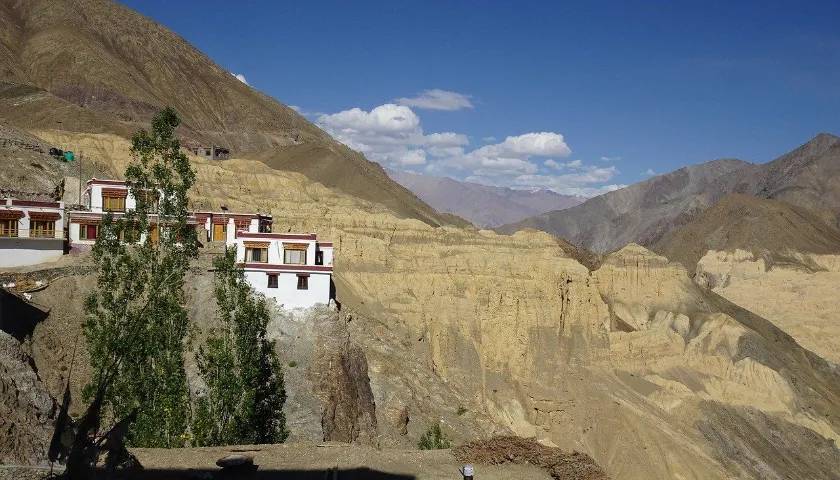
column 799, row 297
column 634, row 363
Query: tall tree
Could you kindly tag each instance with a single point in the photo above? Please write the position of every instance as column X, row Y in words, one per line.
column 136, row 321
column 245, row 392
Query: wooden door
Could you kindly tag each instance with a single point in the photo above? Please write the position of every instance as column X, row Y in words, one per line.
column 155, row 233
column 218, row 232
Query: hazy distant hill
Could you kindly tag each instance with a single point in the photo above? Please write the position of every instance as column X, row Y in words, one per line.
column 808, row 177
column 482, row 205
column 96, row 66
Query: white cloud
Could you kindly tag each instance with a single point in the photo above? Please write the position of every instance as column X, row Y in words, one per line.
column 649, row 172
column 610, row 159
column 488, row 139
column 241, row 78
column 437, row 99
column 541, row 143
column 574, row 164
column 388, row 118
column 393, row 135
column 446, row 139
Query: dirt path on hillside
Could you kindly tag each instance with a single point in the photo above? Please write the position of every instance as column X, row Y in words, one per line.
column 332, row 461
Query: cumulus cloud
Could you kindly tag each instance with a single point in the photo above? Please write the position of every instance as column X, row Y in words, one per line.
column 390, row 134
column 393, row 135
column 437, row 99
column 240, row 77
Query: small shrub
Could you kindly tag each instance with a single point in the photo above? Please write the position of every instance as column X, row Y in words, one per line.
column 434, row 439
column 461, row 410
column 292, row 364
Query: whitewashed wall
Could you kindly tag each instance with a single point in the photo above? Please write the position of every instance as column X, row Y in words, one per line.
column 287, row 294
column 18, row 252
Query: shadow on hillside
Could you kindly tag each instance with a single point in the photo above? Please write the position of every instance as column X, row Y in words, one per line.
column 261, row 474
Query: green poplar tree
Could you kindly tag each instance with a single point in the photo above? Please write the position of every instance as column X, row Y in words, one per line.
column 135, row 319
column 243, row 403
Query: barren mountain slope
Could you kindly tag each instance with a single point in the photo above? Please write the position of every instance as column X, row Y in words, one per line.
column 633, row 364
column 808, row 177
column 642, row 212
column 482, row 205
column 96, row 66
column 767, row 228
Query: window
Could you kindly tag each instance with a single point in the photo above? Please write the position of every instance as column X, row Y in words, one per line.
column 88, row 232
column 113, row 204
column 272, row 281
column 319, row 258
column 9, row 228
column 42, row 229
column 257, row 255
column 294, row 257
column 303, row 282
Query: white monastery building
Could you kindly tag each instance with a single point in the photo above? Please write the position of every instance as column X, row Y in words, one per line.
column 30, row 232
column 101, row 197
column 295, row 269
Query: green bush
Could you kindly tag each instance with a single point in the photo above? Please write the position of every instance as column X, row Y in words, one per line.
column 461, row 410
column 434, row 439
column 292, row 364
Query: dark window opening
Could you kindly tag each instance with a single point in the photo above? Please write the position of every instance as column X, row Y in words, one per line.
column 303, row 282
column 272, row 281
column 319, row 258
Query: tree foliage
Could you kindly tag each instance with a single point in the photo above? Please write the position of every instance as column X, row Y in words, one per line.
column 245, row 392
column 135, row 319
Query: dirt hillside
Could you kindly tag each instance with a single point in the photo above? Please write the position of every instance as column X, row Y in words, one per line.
column 765, row 227
column 96, row 66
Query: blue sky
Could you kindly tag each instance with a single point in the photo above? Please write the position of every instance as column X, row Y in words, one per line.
column 591, row 94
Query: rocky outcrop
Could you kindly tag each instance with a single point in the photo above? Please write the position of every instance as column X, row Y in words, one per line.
column 26, row 408
column 348, row 412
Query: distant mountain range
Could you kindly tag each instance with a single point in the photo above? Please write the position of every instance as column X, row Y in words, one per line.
column 644, row 213
column 483, row 205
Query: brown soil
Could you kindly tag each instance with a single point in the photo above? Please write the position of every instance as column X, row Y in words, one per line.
column 560, row 465
column 766, row 227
